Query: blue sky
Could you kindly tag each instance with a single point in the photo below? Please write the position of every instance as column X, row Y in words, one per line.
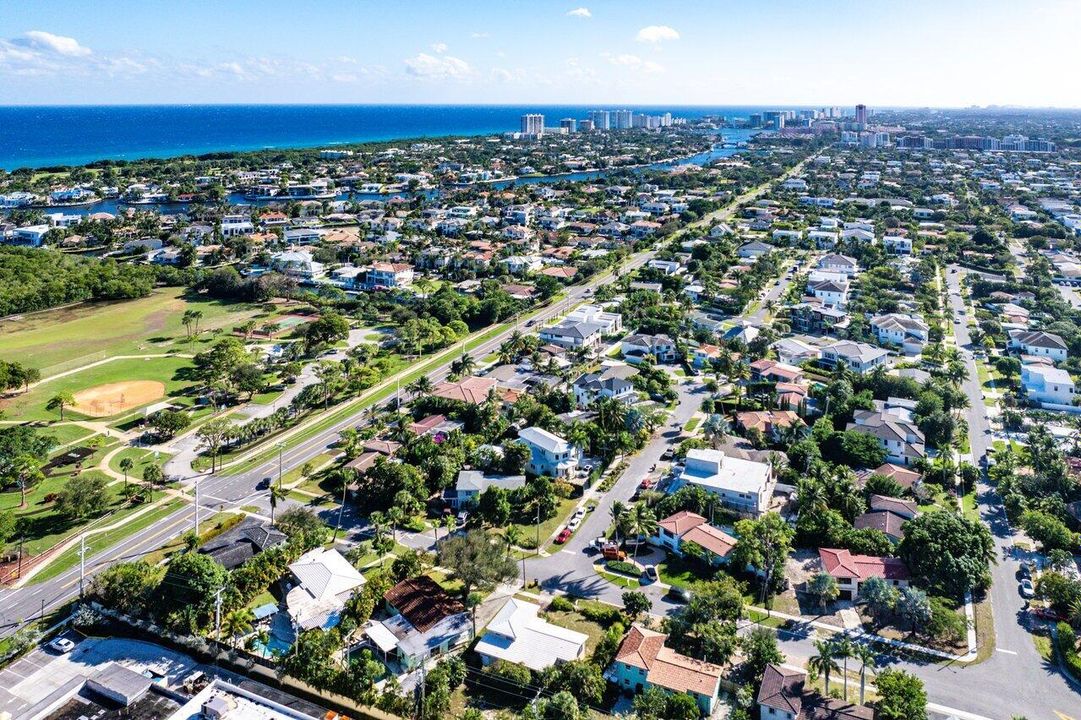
column 941, row 53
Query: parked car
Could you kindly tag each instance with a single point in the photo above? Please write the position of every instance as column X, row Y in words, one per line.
column 1025, row 572
column 62, row 645
column 564, row 535
column 667, row 454
column 611, row 551
column 650, row 573
column 462, row 519
column 1027, row 590
column 646, row 483
column 574, row 523
column 678, row 594
column 581, row 512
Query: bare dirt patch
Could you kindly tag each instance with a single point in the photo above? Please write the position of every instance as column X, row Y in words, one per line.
column 113, row 398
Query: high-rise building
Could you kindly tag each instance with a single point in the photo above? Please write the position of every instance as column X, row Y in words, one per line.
column 774, row 119
column 861, row 114
column 600, row 119
column 569, row 124
column 624, row 119
column 755, row 120
column 585, row 126
column 533, row 124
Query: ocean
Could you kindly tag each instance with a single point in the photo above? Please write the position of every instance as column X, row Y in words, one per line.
column 46, row 136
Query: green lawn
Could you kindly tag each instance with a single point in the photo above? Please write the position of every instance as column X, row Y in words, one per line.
column 140, row 457
column 529, row 532
column 676, row 571
column 69, row 434
column 691, row 424
column 101, row 541
column 574, row 620
column 31, row 405
column 65, row 338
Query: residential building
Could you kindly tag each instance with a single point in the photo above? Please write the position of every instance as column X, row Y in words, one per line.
column 324, row 581
column 689, row 527
column 611, row 381
column 297, row 264
column 831, row 293
column 472, row 484
column 32, row 235
column 774, row 371
column 754, row 249
column 742, row 485
column 1038, row 344
column 643, row 661
column 771, row 423
column 610, row 322
column 851, row 570
column 533, row 124
column 783, row 695
column 904, row 331
column 704, row 355
column 573, row 334
column 792, row 351
column 518, row 635
column 636, row 348
column 838, row 264
column 895, row 430
column 550, row 454
column 389, row 275
column 858, row 357
column 1047, row 385
column 471, row 390
column 425, row 622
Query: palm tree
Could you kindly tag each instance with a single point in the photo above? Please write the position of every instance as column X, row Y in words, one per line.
column 866, row 655
column 126, row 464
column 28, row 472
column 843, row 647
column 716, row 429
column 276, row 494
column 238, row 622
column 619, row 509
column 420, row 386
column 396, row 516
column 823, row 663
column 60, row 401
column 642, row 521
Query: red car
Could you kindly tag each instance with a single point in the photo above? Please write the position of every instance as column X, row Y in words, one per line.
column 563, row 536
column 646, row 483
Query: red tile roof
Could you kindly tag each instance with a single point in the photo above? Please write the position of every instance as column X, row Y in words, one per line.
column 843, row 565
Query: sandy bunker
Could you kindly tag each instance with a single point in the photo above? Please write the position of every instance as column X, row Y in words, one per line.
column 113, row 398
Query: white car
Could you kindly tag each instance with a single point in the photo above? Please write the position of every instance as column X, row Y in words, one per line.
column 580, row 513
column 62, row 645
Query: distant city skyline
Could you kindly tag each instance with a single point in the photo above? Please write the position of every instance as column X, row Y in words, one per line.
column 784, row 53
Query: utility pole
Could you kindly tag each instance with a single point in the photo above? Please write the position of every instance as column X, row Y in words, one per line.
column 280, row 445
column 82, row 562
column 217, row 613
column 197, row 507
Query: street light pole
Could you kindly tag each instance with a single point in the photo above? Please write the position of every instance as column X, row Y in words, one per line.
column 280, row 445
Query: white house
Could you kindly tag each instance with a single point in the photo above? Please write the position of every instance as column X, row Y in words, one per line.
column 324, row 581
column 668, row 267
column 859, row 357
column 573, row 334
column 296, row 263
column 550, row 454
column 636, row 347
column 742, row 485
column 898, row 244
column 905, row 331
column 389, row 275
column 1047, row 385
column 236, row 225
column 472, row 483
column 754, row 249
column 610, row 322
column 831, row 293
column 835, row 263
column 1038, row 344
column 518, row 635
column 612, row 381
column 32, row 235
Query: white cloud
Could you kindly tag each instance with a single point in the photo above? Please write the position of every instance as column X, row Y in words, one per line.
column 56, row 44
column 656, row 34
column 444, row 67
column 582, row 12
column 439, row 47
column 479, row 35
column 635, row 63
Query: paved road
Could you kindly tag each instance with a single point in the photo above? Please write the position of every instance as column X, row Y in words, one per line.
column 220, row 492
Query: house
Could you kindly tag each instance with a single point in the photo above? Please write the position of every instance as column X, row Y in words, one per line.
column 1047, row 385
column 635, row 348
column 704, row 355
column 550, row 454
column 858, row 357
column 573, row 334
column 850, row 570
column 425, row 622
column 831, row 293
column 643, row 661
column 667, row 267
column 905, row 509
column 323, row 582
column 518, row 635
column 783, row 696
column 742, row 485
column 472, row 483
column 773, row 371
column 838, row 264
column 235, row 547
column 438, row 427
column 1038, row 344
column 472, row 390
column 744, row 333
column 791, row 351
column 32, row 235
column 297, row 264
column 898, row 244
column 906, row 331
column 389, row 275
column 904, row 477
column 610, row 322
column 611, row 381
column 303, row 236
column 813, row 317
column 236, row 225
column 754, row 249
column 895, row 430
column 686, row 526
column 771, row 423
